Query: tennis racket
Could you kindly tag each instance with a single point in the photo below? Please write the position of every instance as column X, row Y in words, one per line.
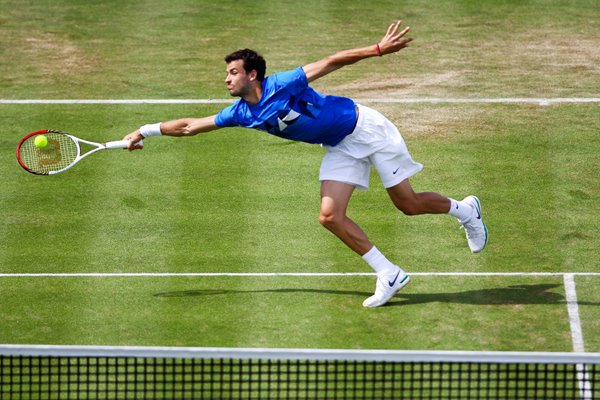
column 61, row 152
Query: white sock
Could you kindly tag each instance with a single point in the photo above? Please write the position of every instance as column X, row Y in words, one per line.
column 379, row 263
column 460, row 210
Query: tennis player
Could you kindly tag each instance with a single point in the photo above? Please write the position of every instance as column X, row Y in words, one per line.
column 355, row 137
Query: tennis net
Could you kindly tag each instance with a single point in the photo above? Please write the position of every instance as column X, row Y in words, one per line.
column 92, row 372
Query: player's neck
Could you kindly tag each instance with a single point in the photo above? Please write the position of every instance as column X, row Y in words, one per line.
column 254, row 95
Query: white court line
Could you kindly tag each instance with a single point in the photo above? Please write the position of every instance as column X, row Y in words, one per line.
column 427, row 100
column 501, row 100
column 573, row 309
column 116, row 101
column 267, row 274
column 583, row 378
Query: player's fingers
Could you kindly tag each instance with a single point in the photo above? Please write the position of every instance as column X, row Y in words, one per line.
column 399, row 35
column 404, row 31
column 391, row 29
column 133, row 145
column 404, row 42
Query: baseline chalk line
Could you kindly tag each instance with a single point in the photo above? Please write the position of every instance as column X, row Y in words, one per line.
column 276, row 274
column 425, row 100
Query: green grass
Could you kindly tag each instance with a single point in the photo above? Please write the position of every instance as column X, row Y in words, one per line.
column 321, row 312
column 243, row 201
column 143, row 49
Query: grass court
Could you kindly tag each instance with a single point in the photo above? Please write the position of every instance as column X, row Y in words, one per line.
column 237, row 201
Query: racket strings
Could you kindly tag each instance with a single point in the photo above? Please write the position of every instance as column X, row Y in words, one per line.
column 60, row 152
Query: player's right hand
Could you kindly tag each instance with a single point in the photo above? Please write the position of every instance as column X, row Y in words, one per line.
column 134, row 138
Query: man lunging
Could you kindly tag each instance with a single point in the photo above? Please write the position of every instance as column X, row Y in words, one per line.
column 355, row 136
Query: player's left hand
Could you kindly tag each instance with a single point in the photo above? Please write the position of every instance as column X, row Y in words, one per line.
column 393, row 40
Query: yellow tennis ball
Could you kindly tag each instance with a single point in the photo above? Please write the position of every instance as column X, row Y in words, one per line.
column 41, row 141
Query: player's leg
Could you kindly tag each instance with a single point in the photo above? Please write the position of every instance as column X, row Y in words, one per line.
column 467, row 211
column 395, row 166
column 335, row 197
column 410, row 203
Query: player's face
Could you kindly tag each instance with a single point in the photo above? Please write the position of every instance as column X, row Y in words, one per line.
column 238, row 80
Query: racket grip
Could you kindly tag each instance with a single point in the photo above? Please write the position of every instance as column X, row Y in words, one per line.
column 120, row 144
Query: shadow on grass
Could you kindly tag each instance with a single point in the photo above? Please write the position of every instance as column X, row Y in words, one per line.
column 214, row 292
column 511, row 295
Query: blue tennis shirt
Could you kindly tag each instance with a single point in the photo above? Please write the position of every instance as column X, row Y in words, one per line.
column 291, row 109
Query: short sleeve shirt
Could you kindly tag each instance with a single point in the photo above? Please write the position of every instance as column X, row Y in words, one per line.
column 291, row 109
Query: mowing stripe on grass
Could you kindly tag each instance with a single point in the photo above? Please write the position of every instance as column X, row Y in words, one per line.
column 426, row 100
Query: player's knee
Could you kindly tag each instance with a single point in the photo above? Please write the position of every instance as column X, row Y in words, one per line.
column 328, row 219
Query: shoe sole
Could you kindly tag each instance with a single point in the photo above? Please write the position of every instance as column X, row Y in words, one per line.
column 485, row 229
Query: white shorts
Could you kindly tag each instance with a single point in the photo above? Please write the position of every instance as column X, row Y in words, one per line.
column 376, row 141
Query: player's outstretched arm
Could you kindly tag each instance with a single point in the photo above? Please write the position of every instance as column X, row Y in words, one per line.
column 177, row 127
column 392, row 42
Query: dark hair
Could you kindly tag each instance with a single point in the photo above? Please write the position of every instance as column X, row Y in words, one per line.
column 252, row 61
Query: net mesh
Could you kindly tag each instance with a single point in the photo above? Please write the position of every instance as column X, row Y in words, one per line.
column 59, row 153
column 108, row 377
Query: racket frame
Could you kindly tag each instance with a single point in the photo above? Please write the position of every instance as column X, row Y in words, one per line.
column 118, row 144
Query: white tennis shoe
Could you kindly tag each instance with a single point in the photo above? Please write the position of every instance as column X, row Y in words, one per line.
column 387, row 286
column 475, row 229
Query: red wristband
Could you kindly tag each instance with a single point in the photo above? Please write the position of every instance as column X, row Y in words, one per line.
column 378, row 49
